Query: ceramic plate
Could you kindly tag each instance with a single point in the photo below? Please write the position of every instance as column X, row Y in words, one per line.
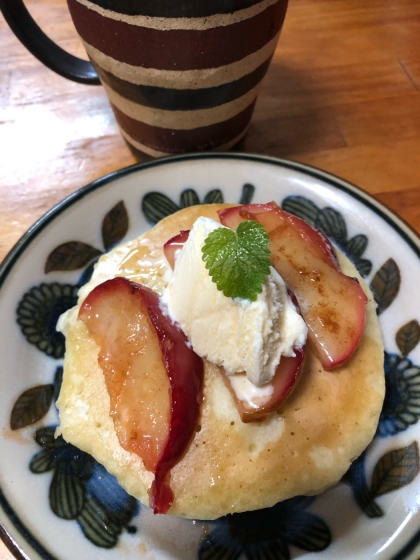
column 56, row 502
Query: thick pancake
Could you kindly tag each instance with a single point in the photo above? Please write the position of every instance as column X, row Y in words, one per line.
column 229, row 466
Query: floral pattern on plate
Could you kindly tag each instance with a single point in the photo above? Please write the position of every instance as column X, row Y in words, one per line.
column 82, row 493
column 81, row 489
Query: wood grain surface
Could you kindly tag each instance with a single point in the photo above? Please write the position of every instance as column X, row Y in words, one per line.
column 342, row 94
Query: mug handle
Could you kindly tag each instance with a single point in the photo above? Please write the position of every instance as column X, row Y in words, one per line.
column 41, row 46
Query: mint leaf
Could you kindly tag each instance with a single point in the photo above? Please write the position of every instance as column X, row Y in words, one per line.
column 238, row 261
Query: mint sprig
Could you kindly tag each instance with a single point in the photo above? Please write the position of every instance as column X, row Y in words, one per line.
column 238, row 261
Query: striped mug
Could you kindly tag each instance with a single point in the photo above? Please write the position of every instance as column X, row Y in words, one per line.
column 181, row 76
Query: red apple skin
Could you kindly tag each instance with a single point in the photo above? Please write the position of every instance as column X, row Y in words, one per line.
column 186, row 375
column 148, row 366
column 333, row 305
column 271, row 216
column 173, row 244
column 285, row 379
column 233, row 216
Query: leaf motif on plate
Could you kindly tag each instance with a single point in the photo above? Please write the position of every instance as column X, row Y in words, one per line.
column 215, row 196
column 355, row 477
column 357, row 245
column 266, row 533
column 71, row 255
column 97, row 525
column 189, row 198
column 247, row 194
column 395, row 469
column 385, row 284
column 67, row 493
column 407, row 337
column 115, row 225
column 302, row 207
column 32, row 405
column 45, row 438
column 108, row 509
column 364, row 266
column 58, row 380
column 156, row 206
column 331, row 222
column 42, row 462
column 82, row 490
column 311, row 534
column 219, row 546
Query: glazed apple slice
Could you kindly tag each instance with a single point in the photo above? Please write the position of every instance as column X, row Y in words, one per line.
column 271, row 396
column 173, row 245
column 271, row 216
column 233, row 216
column 332, row 304
column 153, row 377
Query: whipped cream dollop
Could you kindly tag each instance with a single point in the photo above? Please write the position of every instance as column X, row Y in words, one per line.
column 238, row 334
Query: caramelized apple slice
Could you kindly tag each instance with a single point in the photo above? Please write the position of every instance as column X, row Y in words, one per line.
column 173, row 245
column 232, row 217
column 332, row 304
column 271, row 216
column 258, row 406
column 153, row 377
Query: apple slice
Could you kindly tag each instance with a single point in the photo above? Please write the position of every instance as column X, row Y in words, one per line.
column 271, row 216
column 332, row 304
column 173, row 245
column 154, row 379
column 233, row 216
column 285, row 379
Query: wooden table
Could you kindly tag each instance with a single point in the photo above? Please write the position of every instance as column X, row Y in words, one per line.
column 342, row 93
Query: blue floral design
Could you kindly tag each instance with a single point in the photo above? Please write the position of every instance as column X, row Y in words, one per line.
column 38, row 312
column 109, row 506
column 355, row 477
column 82, row 490
column 401, row 406
column 400, row 410
column 267, row 533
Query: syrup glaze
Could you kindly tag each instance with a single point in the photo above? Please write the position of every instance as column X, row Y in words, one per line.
column 154, row 379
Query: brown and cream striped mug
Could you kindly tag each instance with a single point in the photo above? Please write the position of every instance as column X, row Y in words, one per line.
column 181, row 75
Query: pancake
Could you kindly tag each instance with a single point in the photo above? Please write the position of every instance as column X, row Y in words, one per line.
column 303, row 448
